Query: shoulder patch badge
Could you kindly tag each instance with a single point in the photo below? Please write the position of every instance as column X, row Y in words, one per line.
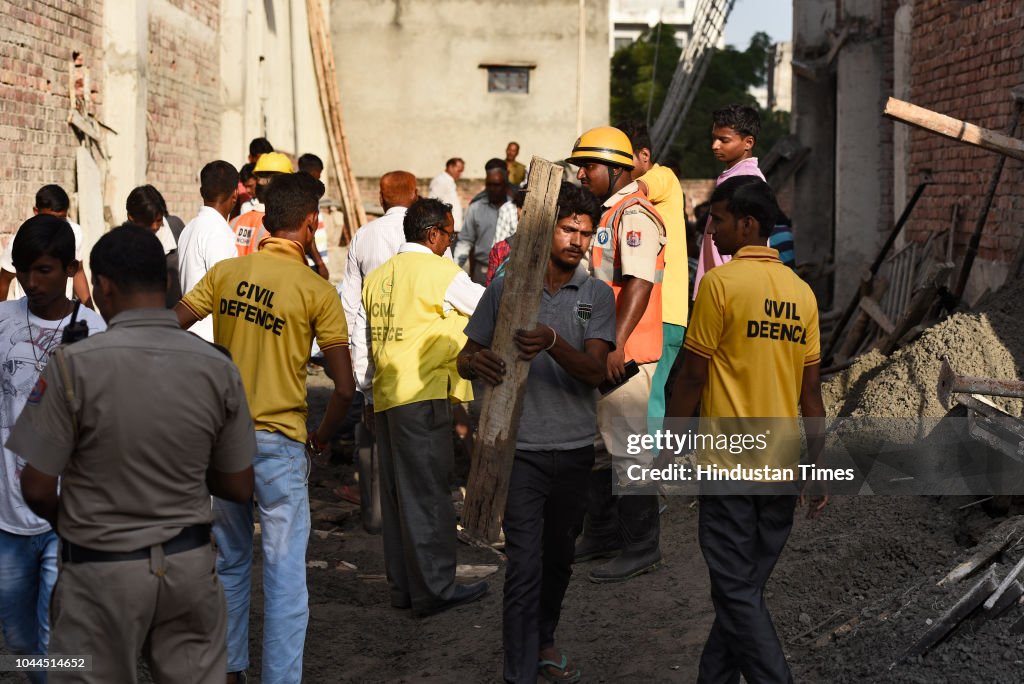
column 604, row 235
column 38, row 391
column 633, row 238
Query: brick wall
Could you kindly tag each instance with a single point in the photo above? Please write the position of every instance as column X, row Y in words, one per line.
column 966, row 57
column 183, row 117
column 37, row 44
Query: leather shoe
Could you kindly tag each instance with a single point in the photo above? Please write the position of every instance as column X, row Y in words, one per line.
column 463, row 594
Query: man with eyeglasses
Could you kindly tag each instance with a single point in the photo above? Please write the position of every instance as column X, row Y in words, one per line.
column 417, row 305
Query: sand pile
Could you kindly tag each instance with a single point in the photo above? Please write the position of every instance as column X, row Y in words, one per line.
column 988, row 343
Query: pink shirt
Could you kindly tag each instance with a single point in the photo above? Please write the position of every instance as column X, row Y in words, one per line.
column 709, row 256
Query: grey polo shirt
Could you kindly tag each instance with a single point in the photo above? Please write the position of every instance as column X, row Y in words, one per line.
column 156, row 407
column 559, row 412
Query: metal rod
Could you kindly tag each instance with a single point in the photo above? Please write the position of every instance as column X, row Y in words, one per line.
column 852, row 306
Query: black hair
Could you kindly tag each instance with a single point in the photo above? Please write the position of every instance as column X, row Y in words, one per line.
column 145, row 204
column 636, row 131
column 245, row 173
column 52, row 198
column 131, row 257
column 260, row 146
column 290, row 198
column 495, row 164
column 749, row 196
column 743, row 119
column 308, row 163
column 424, row 214
column 574, row 200
column 217, row 181
column 453, row 161
column 43, row 235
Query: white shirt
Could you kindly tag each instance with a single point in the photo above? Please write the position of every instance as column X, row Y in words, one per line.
column 462, row 295
column 7, row 262
column 371, row 246
column 443, row 187
column 26, row 342
column 206, row 240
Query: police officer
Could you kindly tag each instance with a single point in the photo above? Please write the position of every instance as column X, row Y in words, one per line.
column 141, row 424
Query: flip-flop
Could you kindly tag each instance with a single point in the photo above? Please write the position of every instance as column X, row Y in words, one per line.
column 563, row 675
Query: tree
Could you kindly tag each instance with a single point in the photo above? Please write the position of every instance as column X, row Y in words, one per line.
column 730, row 76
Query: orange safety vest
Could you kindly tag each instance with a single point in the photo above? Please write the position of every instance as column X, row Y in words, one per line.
column 249, row 231
column 644, row 343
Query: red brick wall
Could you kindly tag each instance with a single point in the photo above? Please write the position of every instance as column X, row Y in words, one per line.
column 183, row 117
column 966, row 57
column 36, row 144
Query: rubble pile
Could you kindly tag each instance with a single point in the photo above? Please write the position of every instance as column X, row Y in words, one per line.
column 988, row 342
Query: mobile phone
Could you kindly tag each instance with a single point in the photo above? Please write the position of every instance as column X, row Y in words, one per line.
column 631, row 368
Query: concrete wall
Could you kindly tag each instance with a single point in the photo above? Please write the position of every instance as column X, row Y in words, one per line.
column 814, row 122
column 414, row 95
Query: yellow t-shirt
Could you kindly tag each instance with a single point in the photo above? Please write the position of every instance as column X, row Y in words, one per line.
column 757, row 324
column 666, row 195
column 266, row 309
column 413, row 340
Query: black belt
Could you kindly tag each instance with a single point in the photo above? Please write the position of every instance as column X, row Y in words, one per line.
column 189, row 538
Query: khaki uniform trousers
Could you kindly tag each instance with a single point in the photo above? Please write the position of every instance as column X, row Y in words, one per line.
column 168, row 608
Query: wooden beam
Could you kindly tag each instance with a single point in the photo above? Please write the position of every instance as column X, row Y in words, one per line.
column 330, row 103
column 491, row 468
column 954, row 129
column 872, row 309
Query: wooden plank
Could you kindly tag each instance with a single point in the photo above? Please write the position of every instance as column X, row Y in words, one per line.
column 872, row 309
column 946, row 623
column 954, row 129
column 491, row 468
column 330, row 102
column 1006, row 533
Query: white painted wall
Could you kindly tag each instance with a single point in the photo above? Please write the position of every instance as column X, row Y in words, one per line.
column 413, row 94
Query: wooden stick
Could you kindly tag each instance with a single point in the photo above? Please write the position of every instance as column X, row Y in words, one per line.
column 491, row 468
column 954, row 129
column 1004, row 585
column 330, row 102
column 946, row 623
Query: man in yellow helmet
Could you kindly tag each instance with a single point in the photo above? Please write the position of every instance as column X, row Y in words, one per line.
column 628, row 254
column 248, row 227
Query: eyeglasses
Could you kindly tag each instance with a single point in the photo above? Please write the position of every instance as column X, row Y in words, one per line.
column 450, row 234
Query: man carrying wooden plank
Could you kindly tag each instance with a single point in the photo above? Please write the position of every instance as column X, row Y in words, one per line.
column 417, row 304
column 733, row 375
column 568, row 350
column 627, row 254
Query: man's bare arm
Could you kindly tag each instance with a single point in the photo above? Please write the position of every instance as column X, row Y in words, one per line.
column 6, row 278
column 80, row 286
column 40, row 493
column 237, row 487
column 339, row 363
column 688, row 386
column 186, row 319
column 813, row 410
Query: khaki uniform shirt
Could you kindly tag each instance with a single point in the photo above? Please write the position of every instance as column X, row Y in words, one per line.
column 156, row 408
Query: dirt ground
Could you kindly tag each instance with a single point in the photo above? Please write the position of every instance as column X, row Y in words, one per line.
column 853, row 589
column 851, row 592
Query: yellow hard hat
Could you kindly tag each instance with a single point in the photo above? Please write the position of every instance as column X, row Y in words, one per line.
column 273, row 162
column 606, row 145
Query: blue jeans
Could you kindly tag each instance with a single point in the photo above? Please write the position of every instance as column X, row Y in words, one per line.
column 282, row 471
column 28, row 570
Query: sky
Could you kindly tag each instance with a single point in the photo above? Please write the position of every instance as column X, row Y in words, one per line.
column 774, row 17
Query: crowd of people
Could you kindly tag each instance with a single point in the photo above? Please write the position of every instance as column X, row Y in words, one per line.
column 153, row 518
